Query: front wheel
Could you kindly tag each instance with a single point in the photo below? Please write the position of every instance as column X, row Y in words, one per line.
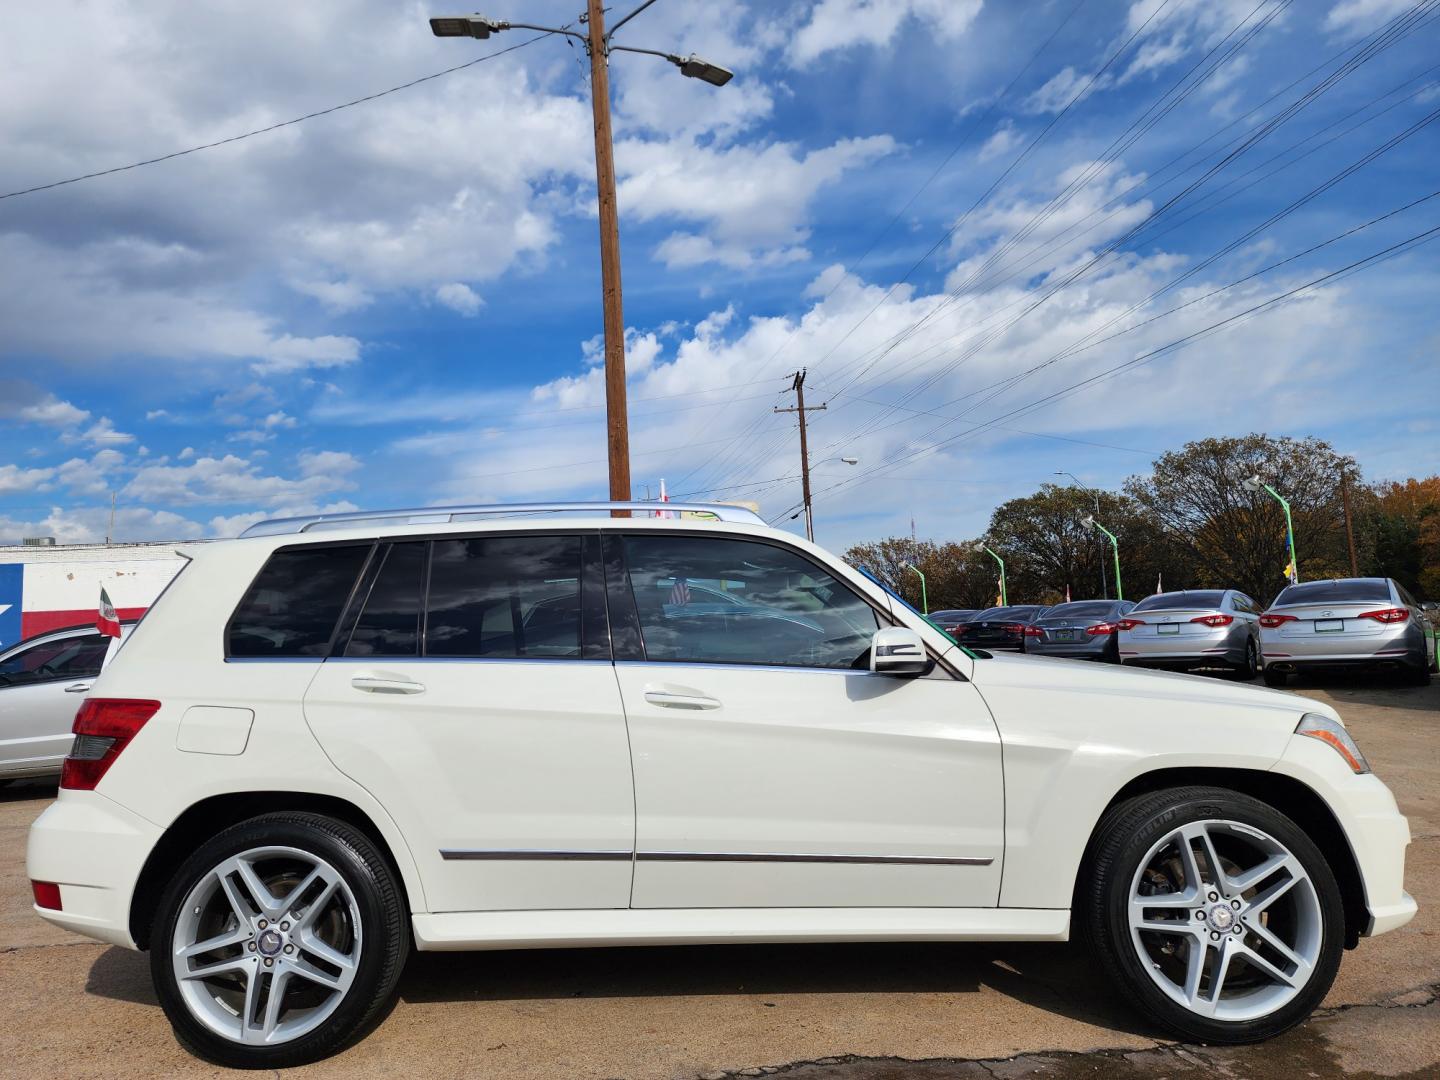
column 278, row 942
column 1217, row 916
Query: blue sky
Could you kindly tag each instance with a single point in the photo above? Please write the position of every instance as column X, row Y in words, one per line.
column 398, row 303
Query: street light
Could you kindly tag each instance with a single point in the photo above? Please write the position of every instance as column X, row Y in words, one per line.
column 1104, row 580
column 599, row 47
column 1090, row 523
column 1254, row 483
column 924, row 597
column 1004, row 597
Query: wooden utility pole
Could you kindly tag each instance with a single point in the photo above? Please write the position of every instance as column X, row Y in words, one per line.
column 616, row 417
column 1349, row 528
column 798, row 385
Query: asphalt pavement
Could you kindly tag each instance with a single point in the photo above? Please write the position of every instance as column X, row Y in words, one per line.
column 75, row 1008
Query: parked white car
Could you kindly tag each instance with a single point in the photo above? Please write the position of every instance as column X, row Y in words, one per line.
column 39, row 680
column 348, row 736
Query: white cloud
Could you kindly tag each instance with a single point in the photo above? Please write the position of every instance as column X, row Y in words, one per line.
column 750, row 202
column 1059, row 91
column 54, row 411
column 1004, row 139
column 1354, row 17
column 233, row 479
column 844, row 24
column 459, row 297
column 15, row 479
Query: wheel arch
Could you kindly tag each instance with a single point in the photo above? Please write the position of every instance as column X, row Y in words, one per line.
column 1293, row 798
column 209, row 816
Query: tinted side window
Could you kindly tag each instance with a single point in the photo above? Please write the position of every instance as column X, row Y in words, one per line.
column 292, row 607
column 65, row 658
column 504, row 596
column 713, row 600
column 389, row 625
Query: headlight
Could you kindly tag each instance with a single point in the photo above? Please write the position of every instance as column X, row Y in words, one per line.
column 1336, row 737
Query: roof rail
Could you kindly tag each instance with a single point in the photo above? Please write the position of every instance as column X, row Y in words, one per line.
column 440, row 515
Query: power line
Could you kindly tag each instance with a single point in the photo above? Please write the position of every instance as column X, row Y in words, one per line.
column 273, row 127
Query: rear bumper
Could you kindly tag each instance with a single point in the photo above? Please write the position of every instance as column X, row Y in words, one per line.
column 1073, row 650
column 94, row 849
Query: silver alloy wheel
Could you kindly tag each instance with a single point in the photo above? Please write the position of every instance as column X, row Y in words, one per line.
column 1225, row 920
column 266, row 945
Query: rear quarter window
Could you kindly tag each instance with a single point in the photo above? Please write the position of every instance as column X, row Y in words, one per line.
column 292, row 606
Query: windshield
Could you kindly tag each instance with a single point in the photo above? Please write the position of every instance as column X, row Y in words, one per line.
column 1196, row 598
column 1080, row 609
column 1361, row 590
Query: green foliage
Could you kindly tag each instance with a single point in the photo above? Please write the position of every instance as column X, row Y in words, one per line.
column 1192, row 520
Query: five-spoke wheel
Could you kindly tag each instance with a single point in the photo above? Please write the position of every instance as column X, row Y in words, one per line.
column 278, row 941
column 1216, row 914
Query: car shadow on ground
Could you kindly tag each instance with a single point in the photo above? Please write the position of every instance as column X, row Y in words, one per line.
column 1056, row 978
column 26, row 790
column 1385, row 689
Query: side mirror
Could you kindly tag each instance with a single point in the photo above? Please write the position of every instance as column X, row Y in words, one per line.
column 898, row 650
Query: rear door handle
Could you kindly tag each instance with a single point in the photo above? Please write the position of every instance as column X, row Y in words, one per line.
column 373, row 684
column 666, row 699
column 78, row 688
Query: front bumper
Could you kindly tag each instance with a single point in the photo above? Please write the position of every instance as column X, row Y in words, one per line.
column 94, row 849
column 1374, row 828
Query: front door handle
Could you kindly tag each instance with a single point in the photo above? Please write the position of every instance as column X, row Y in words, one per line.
column 374, row 684
column 666, row 699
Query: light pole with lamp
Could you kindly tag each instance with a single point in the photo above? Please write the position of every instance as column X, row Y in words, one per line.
column 1104, row 576
column 1090, row 523
column 599, row 46
column 924, row 596
column 1254, row 483
column 807, row 508
column 1004, row 596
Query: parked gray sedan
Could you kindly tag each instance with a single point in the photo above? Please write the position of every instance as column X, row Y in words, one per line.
column 1347, row 622
column 1193, row 628
column 1081, row 630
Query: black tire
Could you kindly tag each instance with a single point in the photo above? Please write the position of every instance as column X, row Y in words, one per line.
column 1247, row 670
column 1418, row 673
column 1277, row 679
column 1126, row 833
column 383, row 949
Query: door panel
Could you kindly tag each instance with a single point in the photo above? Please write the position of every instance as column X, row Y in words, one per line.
column 35, row 725
column 512, row 768
column 483, row 726
column 772, row 769
column 893, row 775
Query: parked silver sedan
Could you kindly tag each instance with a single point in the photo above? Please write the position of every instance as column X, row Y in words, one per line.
column 1347, row 622
column 1079, row 630
column 1193, row 628
column 41, row 680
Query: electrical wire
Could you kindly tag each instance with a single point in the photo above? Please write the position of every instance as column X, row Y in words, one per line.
column 274, row 127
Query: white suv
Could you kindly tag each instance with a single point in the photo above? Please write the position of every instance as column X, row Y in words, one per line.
column 348, row 736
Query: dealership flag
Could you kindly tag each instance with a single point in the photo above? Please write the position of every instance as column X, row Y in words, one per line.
column 1067, row 594
column 107, row 622
column 1160, row 581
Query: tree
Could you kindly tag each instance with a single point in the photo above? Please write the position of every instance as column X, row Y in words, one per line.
column 1401, row 529
column 1235, row 538
column 955, row 577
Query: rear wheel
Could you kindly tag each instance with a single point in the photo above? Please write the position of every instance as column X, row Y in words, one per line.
column 1277, row 679
column 1251, row 664
column 1417, row 672
column 1217, row 916
column 278, row 942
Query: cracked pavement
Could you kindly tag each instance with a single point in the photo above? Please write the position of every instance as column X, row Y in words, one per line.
column 76, row 1008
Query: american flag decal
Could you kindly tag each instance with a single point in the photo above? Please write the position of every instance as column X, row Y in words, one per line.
column 680, row 592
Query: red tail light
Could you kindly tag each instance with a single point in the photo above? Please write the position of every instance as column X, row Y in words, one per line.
column 957, row 631
column 1130, row 624
column 47, row 894
column 1214, row 620
column 1032, row 631
column 1387, row 615
column 103, row 728
column 1272, row 621
column 1103, row 628
column 1013, row 628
